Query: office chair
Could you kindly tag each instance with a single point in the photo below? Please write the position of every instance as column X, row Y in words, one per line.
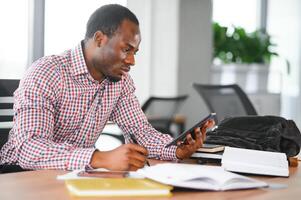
column 7, row 88
column 225, row 100
column 161, row 111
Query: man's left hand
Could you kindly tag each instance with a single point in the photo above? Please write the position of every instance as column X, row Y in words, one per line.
column 185, row 150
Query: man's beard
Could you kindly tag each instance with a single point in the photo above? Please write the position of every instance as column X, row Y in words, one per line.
column 113, row 79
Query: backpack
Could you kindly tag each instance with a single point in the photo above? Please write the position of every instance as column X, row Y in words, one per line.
column 266, row 133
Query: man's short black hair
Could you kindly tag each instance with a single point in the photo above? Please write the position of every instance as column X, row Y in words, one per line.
column 107, row 19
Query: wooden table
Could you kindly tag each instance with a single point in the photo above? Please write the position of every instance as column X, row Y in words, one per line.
column 43, row 185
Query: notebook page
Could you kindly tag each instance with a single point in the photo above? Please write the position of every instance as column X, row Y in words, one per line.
column 172, row 173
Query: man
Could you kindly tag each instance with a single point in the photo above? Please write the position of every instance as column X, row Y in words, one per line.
column 64, row 102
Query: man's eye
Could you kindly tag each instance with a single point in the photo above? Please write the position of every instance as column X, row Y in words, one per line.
column 126, row 50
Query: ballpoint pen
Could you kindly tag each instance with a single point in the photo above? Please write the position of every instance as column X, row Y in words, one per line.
column 133, row 138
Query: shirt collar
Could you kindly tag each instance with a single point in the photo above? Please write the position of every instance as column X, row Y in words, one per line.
column 78, row 62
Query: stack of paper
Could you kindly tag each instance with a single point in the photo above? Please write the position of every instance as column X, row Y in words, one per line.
column 255, row 162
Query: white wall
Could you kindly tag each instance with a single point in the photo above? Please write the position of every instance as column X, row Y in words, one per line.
column 175, row 50
column 195, row 52
column 164, row 63
column 156, row 71
column 141, row 72
column 284, row 26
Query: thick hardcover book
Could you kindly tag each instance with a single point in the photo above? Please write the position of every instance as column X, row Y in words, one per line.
column 255, row 162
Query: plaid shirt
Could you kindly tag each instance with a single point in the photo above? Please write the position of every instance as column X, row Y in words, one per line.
column 60, row 111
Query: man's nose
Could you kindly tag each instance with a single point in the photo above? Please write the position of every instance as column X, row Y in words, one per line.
column 130, row 59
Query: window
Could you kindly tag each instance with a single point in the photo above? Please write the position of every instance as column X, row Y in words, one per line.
column 65, row 22
column 250, row 15
column 285, row 30
column 237, row 12
column 14, row 25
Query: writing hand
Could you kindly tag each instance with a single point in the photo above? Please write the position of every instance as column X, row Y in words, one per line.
column 185, row 150
column 127, row 157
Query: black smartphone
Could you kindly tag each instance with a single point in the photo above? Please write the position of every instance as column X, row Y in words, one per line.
column 103, row 174
column 182, row 136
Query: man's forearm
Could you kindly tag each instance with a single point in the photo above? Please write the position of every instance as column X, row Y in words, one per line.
column 43, row 154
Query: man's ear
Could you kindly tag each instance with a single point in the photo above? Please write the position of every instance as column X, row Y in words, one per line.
column 99, row 38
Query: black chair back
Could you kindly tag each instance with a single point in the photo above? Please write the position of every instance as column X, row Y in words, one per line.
column 161, row 111
column 225, row 100
column 7, row 88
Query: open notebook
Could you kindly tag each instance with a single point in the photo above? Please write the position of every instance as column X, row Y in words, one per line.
column 199, row 177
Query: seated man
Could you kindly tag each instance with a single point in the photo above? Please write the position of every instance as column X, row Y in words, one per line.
column 64, row 102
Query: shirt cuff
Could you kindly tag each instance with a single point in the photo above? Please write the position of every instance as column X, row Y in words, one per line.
column 169, row 153
column 80, row 158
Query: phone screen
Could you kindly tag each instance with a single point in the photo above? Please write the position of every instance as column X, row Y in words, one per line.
column 182, row 136
column 103, row 174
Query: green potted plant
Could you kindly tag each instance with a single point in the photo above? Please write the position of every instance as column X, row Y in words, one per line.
column 242, row 53
column 241, row 47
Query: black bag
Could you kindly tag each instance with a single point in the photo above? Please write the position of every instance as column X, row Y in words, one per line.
column 267, row 133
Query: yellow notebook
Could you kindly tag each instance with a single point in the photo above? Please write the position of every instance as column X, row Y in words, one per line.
column 110, row 187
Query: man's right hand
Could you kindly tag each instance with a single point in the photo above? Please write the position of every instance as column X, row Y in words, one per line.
column 126, row 157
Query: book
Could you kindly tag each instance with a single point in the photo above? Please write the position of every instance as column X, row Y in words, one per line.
column 105, row 183
column 114, row 187
column 211, row 148
column 199, row 177
column 209, row 153
column 200, row 155
column 255, row 162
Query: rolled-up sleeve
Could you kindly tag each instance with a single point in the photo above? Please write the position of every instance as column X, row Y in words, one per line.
column 35, row 107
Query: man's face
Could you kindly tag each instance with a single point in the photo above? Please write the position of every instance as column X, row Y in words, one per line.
column 116, row 56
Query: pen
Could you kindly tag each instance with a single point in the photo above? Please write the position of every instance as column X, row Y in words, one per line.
column 133, row 138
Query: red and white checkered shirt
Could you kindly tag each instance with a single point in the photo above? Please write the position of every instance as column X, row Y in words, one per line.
column 60, row 111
